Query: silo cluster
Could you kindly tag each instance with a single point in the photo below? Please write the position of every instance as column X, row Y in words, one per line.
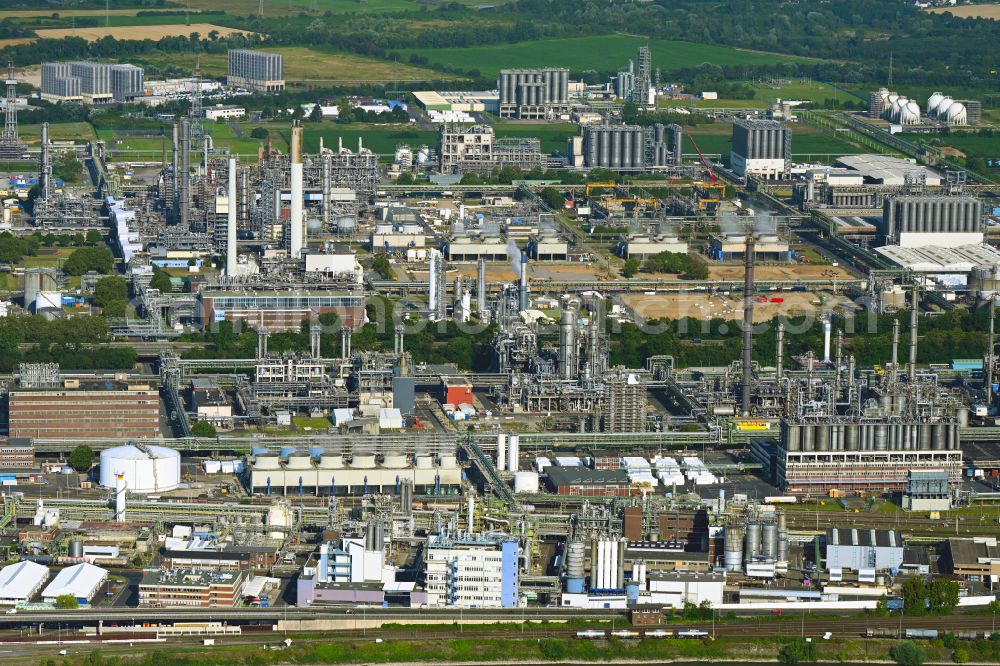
column 764, row 540
column 947, row 110
column 614, row 147
column 931, row 214
column 876, row 436
column 532, row 88
column 762, row 139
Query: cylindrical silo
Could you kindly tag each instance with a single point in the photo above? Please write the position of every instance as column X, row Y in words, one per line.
column 576, row 554
column 823, row 437
column 752, row 548
column 615, row 148
column 808, row 439
column 769, row 541
column 851, row 438
column 881, row 437
column 793, row 438
column 733, row 549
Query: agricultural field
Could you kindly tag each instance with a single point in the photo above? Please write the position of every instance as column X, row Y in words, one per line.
column 601, row 52
column 42, row 13
column 812, row 91
column 113, row 20
column 312, row 66
column 987, row 11
column 286, row 7
column 552, row 135
column 154, row 32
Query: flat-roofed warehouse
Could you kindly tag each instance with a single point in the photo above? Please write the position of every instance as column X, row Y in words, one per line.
column 473, row 248
column 886, row 170
column 932, row 259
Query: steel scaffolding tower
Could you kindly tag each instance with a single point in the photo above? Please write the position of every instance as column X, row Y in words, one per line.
column 10, row 144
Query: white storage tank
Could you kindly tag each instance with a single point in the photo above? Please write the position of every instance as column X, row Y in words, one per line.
column 526, row 482
column 147, row 469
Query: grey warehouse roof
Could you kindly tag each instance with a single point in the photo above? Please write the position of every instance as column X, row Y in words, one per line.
column 853, row 537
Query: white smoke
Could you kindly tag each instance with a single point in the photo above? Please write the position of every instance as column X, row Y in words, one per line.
column 515, row 256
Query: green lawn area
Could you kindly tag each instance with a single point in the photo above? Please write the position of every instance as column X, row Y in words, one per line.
column 553, row 135
column 303, row 422
column 153, row 148
column 601, row 52
column 49, row 257
column 381, row 139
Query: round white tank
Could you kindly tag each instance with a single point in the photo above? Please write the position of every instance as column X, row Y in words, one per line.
column 147, row 469
column 942, row 106
column 424, row 462
column 394, row 461
column 299, row 462
column 956, row 114
column 933, row 101
column 331, row 461
column 910, row 114
column 526, row 482
column 365, row 461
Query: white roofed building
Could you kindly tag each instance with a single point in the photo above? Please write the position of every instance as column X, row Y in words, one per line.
column 81, row 580
column 20, row 582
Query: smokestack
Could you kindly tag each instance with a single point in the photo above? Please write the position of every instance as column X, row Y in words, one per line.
column 894, row 371
column 174, row 174
column 185, row 194
column 912, row 370
column 481, row 288
column 45, row 175
column 781, row 350
column 231, row 220
column 295, row 218
column 827, row 326
column 989, row 355
column 432, row 284
column 748, row 295
column 326, row 187
column 523, row 291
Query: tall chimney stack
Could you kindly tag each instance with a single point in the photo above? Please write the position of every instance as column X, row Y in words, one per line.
column 231, row 220
column 748, row 296
column 295, row 221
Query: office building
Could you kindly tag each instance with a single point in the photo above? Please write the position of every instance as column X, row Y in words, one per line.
column 472, row 572
column 256, row 70
column 17, row 453
column 85, row 410
column 533, row 94
column 91, row 82
column 761, row 147
column 165, row 588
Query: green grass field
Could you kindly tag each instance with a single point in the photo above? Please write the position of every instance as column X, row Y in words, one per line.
column 126, row 148
column 969, row 143
column 80, row 132
column 601, row 52
column 311, row 65
column 812, row 91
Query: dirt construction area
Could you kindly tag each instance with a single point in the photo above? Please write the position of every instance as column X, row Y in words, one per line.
column 139, row 32
column 779, row 272
column 702, row 305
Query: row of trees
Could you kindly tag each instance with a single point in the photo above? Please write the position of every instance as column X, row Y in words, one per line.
column 687, row 266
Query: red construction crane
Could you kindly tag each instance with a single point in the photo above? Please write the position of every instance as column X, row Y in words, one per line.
column 711, row 175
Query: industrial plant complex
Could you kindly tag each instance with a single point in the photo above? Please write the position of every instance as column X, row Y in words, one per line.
column 492, row 372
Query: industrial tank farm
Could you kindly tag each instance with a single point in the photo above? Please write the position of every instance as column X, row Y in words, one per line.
column 147, row 469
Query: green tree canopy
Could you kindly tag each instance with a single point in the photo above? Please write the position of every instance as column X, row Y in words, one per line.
column 161, row 281
column 82, row 458
column 908, row 653
column 87, row 259
column 203, row 429
column 109, row 289
column 67, row 602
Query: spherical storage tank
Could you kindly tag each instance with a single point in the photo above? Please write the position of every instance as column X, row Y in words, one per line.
column 147, row 469
column 910, row 114
column 956, row 114
column 933, row 101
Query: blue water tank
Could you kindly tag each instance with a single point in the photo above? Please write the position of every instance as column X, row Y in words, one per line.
column 574, row 585
column 632, row 593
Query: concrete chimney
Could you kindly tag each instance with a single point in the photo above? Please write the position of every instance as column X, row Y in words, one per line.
column 231, row 220
column 295, row 220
